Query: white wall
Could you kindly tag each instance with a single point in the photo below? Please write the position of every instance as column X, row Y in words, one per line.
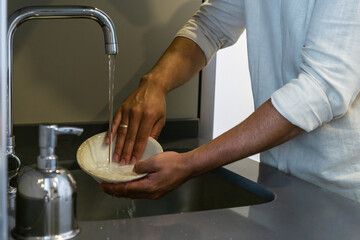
column 230, row 89
column 233, row 96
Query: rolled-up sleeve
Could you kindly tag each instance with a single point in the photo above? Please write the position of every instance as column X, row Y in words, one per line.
column 329, row 78
column 217, row 24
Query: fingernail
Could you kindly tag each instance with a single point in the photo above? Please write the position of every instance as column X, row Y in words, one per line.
column 116, row 157
column 107, row 140
column 122, row 162
column 133, row 160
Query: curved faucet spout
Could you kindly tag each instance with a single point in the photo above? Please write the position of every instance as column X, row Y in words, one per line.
column 52, row 12
column 55, row 12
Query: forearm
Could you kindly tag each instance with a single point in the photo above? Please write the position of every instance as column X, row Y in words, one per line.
column 178, row 64
column 264, row 129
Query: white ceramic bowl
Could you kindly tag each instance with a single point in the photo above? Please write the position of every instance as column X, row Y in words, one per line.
column 93, row 158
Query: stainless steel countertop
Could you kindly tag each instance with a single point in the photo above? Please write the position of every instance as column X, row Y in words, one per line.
column 299, row 211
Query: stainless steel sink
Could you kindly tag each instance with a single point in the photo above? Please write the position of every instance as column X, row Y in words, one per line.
column 215, row 190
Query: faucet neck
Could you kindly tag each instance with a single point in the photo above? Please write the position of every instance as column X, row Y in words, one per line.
column 64, row 12
column 53, row 12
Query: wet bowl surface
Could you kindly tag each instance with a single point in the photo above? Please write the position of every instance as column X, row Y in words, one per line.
column 93, row 157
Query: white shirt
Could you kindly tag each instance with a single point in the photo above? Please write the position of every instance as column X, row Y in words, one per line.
column 305, row 56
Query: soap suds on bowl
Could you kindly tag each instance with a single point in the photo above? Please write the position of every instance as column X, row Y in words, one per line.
column 93, row 158
column 116, row 172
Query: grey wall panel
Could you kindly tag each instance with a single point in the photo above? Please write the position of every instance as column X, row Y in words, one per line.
column 61, row 70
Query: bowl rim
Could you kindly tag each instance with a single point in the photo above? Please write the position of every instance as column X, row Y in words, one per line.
column 97, row 178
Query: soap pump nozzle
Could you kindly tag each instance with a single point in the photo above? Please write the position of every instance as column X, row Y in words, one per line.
column 47, row 142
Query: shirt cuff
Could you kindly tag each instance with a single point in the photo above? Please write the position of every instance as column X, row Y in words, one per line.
column 192, row 32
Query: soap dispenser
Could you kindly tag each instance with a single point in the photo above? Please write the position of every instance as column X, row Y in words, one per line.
column 46, row 196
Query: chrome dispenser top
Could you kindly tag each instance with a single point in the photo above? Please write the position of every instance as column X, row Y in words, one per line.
column 47, row 142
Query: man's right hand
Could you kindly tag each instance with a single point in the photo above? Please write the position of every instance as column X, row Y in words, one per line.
column 141, row 115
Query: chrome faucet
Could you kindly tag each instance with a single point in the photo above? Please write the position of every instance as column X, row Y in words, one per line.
column 49, row 12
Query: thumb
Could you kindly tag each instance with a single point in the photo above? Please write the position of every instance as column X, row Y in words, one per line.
column 146, row 166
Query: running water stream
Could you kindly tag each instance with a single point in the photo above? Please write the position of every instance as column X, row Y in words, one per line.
column 111, row 102
column 131, row 207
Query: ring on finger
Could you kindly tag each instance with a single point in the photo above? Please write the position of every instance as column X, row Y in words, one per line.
column 123, row 125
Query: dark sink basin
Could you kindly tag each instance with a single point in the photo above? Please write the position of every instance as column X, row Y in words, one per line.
column 215, row 190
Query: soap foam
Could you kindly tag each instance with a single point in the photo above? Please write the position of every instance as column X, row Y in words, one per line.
column 116, row 172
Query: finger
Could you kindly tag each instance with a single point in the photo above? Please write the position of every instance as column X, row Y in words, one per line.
column 134, row 189
column 134, row 122
column 120, row 140
column 116, row 122
column 149, row 165
column 156, row 130
column 142, row 137
column 115, row 125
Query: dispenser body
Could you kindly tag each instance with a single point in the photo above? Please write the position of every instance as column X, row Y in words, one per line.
column 46, row 196
column 46, row 205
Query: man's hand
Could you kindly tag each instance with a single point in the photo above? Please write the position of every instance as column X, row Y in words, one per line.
column 166, row 171
column 262, row 130
column 141, row 115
